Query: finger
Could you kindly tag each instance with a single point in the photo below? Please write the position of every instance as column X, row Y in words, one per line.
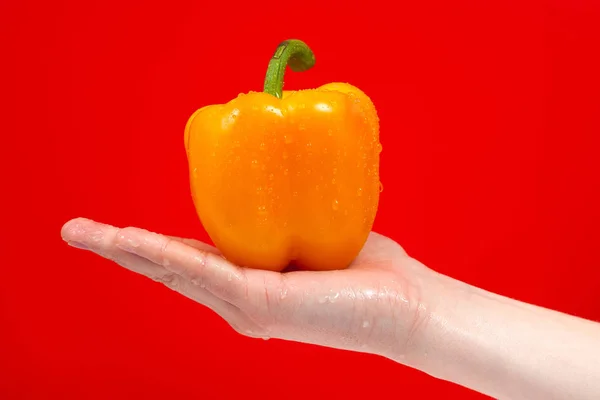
column 236, row 285
column 196, row 244
column 379, row 253
column 231, row 314
column 378, row 243
column 101, row 239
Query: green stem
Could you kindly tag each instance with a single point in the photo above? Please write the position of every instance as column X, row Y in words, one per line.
column 294, row 53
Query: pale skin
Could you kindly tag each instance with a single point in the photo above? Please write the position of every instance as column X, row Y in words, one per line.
column 386, row 303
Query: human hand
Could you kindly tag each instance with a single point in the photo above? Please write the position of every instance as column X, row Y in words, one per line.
column 385, row 303
column 374, row 306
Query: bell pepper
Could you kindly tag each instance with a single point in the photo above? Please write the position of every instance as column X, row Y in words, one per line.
column 282, row 178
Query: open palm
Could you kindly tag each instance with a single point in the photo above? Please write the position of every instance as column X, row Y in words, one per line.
column 373, row 306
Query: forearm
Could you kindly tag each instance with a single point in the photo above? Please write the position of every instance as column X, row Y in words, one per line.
column 505, row 348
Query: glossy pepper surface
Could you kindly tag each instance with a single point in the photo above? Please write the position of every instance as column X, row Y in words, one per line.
column 287, row 177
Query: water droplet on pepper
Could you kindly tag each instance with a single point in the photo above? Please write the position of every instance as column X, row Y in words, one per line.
column 335, row 205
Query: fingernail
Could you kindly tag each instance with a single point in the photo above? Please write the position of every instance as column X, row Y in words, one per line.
column 78, row 245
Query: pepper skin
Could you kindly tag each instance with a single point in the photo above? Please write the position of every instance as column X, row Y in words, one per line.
column 287, row 178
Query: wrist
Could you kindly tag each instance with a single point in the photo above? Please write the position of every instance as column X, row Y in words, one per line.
column 499, row 346
column 448, row 335
column 439, row 329
column 417, row 306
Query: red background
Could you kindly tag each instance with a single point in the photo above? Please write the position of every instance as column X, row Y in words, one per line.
column 489, row 124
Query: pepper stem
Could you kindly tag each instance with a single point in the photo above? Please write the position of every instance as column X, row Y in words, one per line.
column 294, row 53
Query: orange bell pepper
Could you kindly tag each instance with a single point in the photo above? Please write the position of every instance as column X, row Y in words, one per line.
column 280, row 178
